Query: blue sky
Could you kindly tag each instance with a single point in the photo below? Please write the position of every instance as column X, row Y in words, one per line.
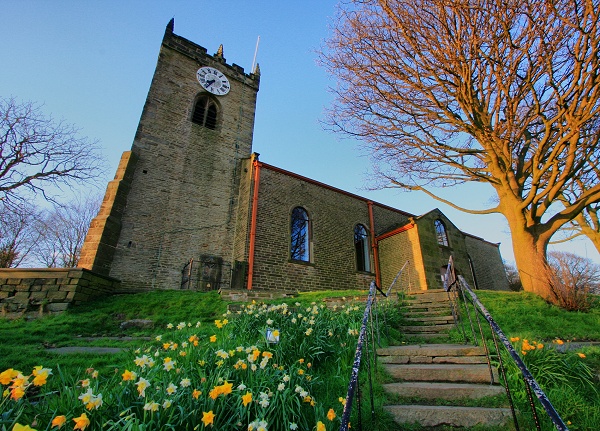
column 91, row 63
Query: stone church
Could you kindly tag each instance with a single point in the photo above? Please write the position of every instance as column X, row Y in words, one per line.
column 192, row 207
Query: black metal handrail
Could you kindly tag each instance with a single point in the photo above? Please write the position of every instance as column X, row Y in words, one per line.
column 530, row 382
column 353, row 384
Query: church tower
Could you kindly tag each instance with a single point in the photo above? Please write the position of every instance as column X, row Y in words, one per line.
column 174, row 197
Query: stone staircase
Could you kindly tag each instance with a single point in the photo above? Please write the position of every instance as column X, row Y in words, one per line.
column 439, row 384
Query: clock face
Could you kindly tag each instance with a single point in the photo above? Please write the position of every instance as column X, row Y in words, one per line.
column 213, row 81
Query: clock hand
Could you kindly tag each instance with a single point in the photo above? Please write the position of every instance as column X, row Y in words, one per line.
column 209, row 83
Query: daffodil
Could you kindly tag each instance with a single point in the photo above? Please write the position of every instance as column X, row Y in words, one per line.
column 142, row 384
column 17, row 392
column 247, row 399
column 331, row 414
column 213, row 338
column 581, row 355
column 171, row 389
column 81, row 422
column 41, row 375
column 7, row 376
column 208, row 418
column 59, row 421
column 19, row 427
column 196, row 393
column 151, row 406
column 129, row 375
column 185, row 383
column 321, row 426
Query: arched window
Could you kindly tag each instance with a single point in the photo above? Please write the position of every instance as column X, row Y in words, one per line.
column 299, row 235
column 205, row 112
column 440, row 231
column 361, row 247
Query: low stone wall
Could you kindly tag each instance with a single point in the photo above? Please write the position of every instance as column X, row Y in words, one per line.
column 50, row 289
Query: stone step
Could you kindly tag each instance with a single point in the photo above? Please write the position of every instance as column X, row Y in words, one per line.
column 431, row 416
column 434, row 350
column 430, row 306
column 431, row 360
column 445, row 391
column 426, row 328
column 467, row 373
column 428, row 297
column 434, row 312
column 431, row 320
column 427, row 336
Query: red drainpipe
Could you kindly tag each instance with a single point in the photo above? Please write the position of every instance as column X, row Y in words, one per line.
column 256, row 164
column 374, row 246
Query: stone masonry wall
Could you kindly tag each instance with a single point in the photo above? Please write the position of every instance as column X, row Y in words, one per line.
column 487, row 263
column 394, row 252
column 183, row 197
column 333, row 216
column 436, row 256
column 53, row 289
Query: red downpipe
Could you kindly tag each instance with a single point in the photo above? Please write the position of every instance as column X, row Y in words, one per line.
column 374, row 246
column 256, row 164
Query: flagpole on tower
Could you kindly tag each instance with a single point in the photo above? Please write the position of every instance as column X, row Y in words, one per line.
column 255, row 54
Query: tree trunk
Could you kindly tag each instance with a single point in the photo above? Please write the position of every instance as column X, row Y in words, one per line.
column 530, row 258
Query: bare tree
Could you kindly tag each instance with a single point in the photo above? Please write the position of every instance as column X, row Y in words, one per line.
column 572, row 279
column 587, row 222
column 38, row 153
column 501, row 92
column 63, row 231
column 18, row 235
column 512, row 274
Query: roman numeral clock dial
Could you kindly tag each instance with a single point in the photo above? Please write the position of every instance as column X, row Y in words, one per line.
column 213, row 81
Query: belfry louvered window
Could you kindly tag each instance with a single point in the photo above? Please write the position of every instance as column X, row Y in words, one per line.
column 205, row 112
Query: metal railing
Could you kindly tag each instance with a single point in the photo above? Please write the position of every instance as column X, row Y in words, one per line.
column 370, row 316
column 475, row 311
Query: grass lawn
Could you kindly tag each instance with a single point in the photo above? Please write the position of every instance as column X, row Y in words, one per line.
column 25, row 345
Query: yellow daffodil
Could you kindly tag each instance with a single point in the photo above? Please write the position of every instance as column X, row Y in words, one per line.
column 129, row 375
column 19, row 427
column 41, row 375
column 81, row 423
column 213, row 338
column 208, row 418
column 196, row 394
column 581, row 355
column 218, row 324
column 59, row 421
column 331, row 415
column 247, row 399
column 321, row 426
column 17, row 392
column 559, row 341
column 7, row 375
column 513, row 339
column 227, row 388
column 215, row 392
